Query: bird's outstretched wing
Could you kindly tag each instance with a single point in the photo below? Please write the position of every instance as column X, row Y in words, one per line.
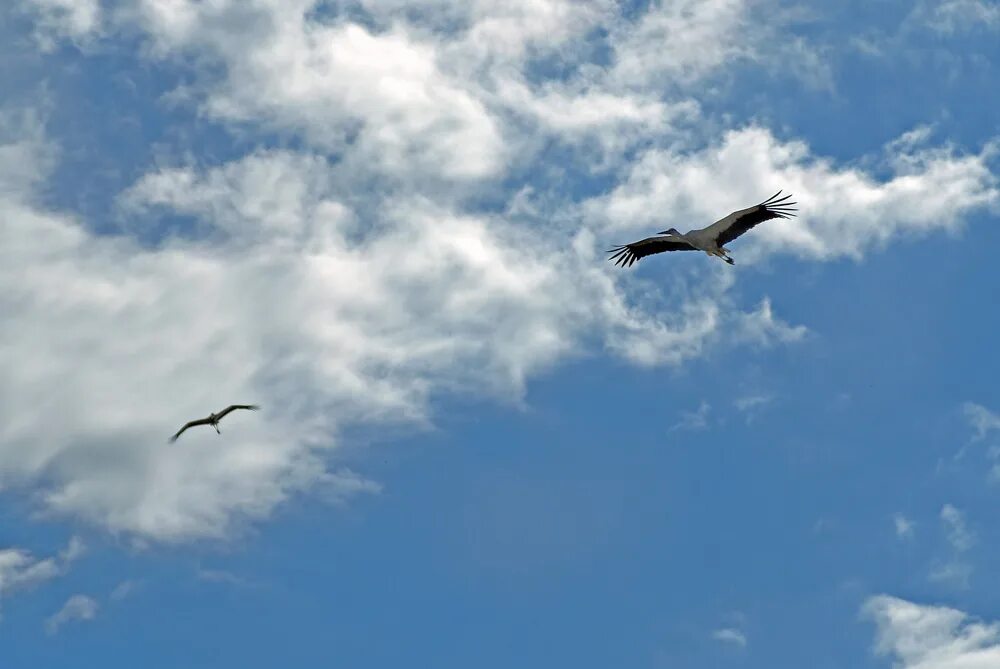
column 192, row 423
column 729, row 228
column 234, row 407
column 627, row 254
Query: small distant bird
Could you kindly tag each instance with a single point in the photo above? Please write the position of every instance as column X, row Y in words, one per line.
column 711, row 239
column 213, row 419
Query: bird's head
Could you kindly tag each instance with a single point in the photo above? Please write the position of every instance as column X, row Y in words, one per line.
column 671, row 231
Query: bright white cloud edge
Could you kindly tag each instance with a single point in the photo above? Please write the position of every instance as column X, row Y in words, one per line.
column 919, row 636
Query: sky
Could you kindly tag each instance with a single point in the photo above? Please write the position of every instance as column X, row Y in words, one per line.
column 480, row 444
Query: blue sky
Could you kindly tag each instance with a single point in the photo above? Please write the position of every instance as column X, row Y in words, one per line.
column 480, row 444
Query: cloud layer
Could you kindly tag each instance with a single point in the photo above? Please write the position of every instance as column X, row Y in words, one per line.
column 429, row 225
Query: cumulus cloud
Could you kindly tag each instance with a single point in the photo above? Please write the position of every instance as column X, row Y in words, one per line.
column 275, row 297
column 353, row 277
column 76, row 20
column 76, row 608
column 920, row 636
column 843, row 211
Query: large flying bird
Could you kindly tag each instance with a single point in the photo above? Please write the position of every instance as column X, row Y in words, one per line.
column 712, row 239
column 213, row 419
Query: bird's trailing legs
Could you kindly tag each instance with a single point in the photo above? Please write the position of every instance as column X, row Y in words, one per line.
column 723, row 254
column 217, row 429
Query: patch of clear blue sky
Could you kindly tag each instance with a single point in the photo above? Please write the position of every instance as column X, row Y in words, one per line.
column 585, row 532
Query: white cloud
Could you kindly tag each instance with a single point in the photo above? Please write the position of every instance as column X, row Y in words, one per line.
column 952, row 16
column 762, row 328
column 955, row 570
column 694, row 420
column 20, row 570
column 76, row 608
column 353, row 279
column 222, row 576
column 752, row 405
column 960, row 536
column 682, row 41
column 904, row 526
column 78, row 20
column 751, row 402
column 124, row 590
column 842, row 211
column 731, row 636
column 981, row 419
column 274, row 298
column 932, row 637
column 434, row 94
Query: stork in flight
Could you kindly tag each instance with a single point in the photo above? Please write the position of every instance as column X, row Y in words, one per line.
column 213, row 419
column 711, row 239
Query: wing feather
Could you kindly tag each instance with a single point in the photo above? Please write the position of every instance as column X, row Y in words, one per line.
column 234, row 407
column 735, row 224
column 191, row 423
column 627, row 254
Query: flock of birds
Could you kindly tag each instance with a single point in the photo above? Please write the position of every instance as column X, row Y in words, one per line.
column 711, row 239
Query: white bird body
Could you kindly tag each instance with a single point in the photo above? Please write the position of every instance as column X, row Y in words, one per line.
column 711, row 239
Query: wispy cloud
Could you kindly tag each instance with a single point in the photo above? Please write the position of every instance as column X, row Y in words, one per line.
column 954, row 16
column 956, row 570
column 124, row 590
column 751, row 405
column 960, row 536
column 730, row 635
column 222, row 576
column 694, row 420
column 76, row 608
column 77, row 20
column 19, row 569
column 982, row 420
column 903, row 525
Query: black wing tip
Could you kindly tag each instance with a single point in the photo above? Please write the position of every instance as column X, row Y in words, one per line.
column 773, row 200
column 622, row 256
column 780, row 207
